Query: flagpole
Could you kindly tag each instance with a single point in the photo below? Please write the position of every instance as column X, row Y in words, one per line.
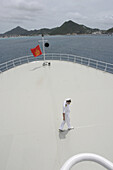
column 43, row 46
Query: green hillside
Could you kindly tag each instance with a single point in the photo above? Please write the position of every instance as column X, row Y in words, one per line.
column 71, row 27
column 68, row 27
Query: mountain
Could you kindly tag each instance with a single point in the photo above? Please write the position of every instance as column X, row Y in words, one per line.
column 68, row 27
column 41, row 31
column 71, row 27
column 16, row 32
column 110, row 31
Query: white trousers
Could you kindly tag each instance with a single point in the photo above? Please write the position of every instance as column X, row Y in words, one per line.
column 67, row 120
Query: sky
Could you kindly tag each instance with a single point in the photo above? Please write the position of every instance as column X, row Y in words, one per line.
column 37, row 14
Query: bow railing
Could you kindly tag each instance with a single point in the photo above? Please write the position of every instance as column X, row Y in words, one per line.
column 87, row 157
column 104, row 66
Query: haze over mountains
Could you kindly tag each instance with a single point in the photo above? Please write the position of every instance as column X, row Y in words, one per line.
column 66, row 28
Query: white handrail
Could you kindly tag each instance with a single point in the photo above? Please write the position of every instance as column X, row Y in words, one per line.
column 107, row 67
column 78, row 57
column 87, row 157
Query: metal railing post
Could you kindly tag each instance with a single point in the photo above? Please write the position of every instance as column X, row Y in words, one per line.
column 20, row 61
column 81, row 60
column 6, row 67
column 13, row 64
column 60, row 57
column 105, row 68
column 75, row 59
column 96, row 64
column 68, row 57
column 88, row 62
column 27, row 60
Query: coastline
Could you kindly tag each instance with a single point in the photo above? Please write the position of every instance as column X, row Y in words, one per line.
column 2, row 37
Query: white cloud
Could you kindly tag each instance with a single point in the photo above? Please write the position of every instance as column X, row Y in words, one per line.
column 20, row 11
column 76, row 16
column 23, row 5
column 51, row 13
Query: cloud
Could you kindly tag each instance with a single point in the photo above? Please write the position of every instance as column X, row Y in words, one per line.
column 20, row 11
column 23, row 5
column 52, row 13
column 76, row 15
column 16, row 18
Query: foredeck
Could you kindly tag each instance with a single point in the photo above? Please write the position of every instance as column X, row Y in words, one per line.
column 31, row 98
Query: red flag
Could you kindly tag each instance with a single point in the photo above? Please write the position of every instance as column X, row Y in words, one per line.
column 36, row 51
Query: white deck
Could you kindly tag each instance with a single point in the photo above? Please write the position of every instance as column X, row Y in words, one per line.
column 31, row 98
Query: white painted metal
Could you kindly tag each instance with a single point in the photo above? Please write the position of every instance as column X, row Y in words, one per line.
column 87, row 157
column 31, row 99
column 43, row 41
column 56, row 56
column 43, row 47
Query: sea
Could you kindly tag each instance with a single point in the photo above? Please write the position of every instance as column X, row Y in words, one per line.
column 99, row 47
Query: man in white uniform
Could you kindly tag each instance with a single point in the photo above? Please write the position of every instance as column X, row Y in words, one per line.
column 66, row 112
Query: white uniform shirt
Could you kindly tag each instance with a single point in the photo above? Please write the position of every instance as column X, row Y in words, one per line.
column 66, row 108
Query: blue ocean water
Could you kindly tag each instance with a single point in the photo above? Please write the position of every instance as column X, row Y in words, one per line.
column 99, row 47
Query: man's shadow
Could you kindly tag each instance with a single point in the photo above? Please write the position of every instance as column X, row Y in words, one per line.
column 36, row 68
column 62, row 135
